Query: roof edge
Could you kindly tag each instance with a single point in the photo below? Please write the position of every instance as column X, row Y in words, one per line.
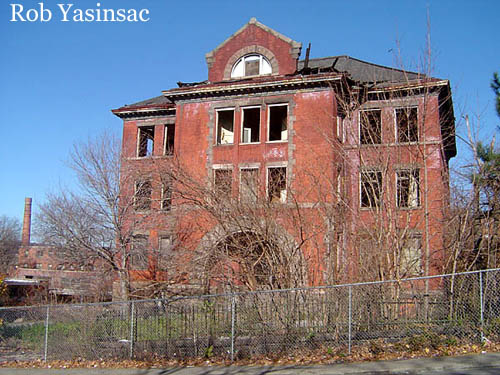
column 253, row 21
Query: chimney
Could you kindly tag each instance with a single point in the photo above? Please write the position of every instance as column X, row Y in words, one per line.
column 27, row 222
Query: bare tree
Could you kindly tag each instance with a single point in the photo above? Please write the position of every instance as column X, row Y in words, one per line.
column 245, row 237
column 95, row 221
column 10, row 232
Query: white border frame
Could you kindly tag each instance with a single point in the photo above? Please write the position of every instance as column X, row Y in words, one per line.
column 287, row 122
column 242, row 110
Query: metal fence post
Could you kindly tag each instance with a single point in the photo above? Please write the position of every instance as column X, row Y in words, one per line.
column 46, row 334
column 350, row 318
column 132, row 318
column 233, row 308
column 481, row 312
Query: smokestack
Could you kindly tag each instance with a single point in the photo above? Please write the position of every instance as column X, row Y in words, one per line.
column 27, row 222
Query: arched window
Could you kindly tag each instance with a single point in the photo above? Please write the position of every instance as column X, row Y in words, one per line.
column 251, row 65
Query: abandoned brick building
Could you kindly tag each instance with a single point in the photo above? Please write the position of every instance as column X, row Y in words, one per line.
column 279, row 171
column 61, row 277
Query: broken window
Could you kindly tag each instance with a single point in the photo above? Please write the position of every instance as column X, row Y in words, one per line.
column 276, row 184
column 223, row 181
column 408, row 188
column 139, row 251
column 145, row 141
column 371, row 188
column 225, row 126
column 250, row 130
column 411, row 255
column 142, row 196
column 249, row 184
column 38, row 266
column 407, row 124
column 169, row 136
column 278, row 123
column 251, row 65
column 166, row 196
column 370, row 128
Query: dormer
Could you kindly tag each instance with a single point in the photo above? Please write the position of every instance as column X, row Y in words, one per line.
column 254, row 50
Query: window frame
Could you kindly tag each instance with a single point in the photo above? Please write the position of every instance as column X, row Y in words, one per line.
column 137, row 188
column 277, row 166
column 361, row 127
column 222, row 167
column 140, row 129
column 243, row 61
column 405, row 253
column 240, row 184
column 268, row 135
column 144, row 253
column 166, row 202
column 396, row 124
column 217, row 132
column 243, row 109
column 166, row 150
column 377, row 200
column 418, row 183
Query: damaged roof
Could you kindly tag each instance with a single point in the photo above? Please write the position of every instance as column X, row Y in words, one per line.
column 359, row 70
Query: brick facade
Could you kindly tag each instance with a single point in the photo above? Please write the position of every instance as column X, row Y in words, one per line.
column 226, row 123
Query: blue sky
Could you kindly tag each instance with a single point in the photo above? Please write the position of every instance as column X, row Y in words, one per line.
column 59, row 80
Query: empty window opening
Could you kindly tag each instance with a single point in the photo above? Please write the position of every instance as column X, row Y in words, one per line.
column 166, row 196
column 408, row 188
column 139, row 252
column 276, row 184
column 225, row 127
column 371, row 188
column 250, row 132
column 142, row 196
column 278, row 123
column 407, row 124
column 370, row 128
column 165, row 244
column 169, row 136
column 411, row 256
column 145, row 141
column 251, row 65
column 223, row 182
column 249, row 185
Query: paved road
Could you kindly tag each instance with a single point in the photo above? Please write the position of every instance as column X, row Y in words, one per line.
column 480, row 364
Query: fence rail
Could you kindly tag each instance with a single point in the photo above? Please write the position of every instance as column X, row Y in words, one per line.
column 462, row 305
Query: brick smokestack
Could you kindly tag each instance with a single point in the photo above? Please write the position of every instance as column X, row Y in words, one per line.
column 27, row 222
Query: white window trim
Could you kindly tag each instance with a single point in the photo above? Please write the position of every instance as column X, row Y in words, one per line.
column 241, row 122
column 419, row 204
column 242, row 60
column 138, row 145
column 287, row 122
column 217, row 110
column 165, row 134
column 282, row 164
column 396, row 135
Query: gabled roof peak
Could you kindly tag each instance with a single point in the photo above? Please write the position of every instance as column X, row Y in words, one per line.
column 253, row 21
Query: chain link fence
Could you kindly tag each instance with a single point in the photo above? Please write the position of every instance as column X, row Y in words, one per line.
column 459, row 306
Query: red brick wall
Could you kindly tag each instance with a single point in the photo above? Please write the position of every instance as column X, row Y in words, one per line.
column 252, row 35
